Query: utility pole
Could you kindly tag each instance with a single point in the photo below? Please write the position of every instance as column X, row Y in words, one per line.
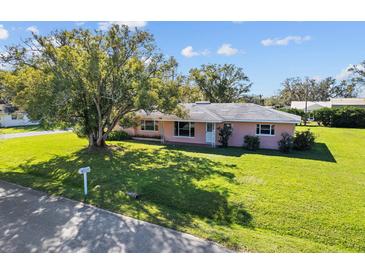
column 306, row 103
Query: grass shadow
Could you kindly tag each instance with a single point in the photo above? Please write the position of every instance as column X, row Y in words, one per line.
column 167, row 180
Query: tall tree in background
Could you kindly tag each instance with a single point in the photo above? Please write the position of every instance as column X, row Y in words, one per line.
column 297, row 89
column 358, row 74
column 90, row 80
column 221, row 83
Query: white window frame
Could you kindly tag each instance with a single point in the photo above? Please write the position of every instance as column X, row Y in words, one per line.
column 263, row 134
column 178, row 131
column 144, row 125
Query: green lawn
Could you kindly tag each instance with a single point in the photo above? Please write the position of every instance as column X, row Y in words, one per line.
column 7, row 130
column 264, row 201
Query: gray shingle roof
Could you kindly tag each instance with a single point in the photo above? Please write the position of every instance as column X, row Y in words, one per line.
column 227, row 112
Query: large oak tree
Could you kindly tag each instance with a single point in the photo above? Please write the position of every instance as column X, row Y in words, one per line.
column 90, row 80
column 221, row 83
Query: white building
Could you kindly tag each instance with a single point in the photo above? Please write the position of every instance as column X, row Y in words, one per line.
column 13, row 118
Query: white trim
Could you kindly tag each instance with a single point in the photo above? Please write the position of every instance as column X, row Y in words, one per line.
column 268, row 135
column 178, row 131
column 148, row 130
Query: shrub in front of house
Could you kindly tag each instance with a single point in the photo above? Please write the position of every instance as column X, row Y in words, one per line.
column 303, row 140
column 251, row 142
column 224, row 133
column 285, row 143
column 118, row 136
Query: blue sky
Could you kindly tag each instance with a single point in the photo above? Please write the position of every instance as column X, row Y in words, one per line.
column 269, row 52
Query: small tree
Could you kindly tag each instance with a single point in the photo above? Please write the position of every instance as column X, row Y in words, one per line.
column 324, row 116
column 225, row 133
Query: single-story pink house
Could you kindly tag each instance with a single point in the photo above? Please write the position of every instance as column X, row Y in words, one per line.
column 203, row 120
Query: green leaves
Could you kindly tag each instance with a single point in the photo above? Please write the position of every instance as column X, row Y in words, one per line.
column 221, row 83
column 90, row 80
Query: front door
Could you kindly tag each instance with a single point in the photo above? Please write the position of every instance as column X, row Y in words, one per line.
column 209, row 133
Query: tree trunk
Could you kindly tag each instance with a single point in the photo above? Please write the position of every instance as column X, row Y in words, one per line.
column 96, row 142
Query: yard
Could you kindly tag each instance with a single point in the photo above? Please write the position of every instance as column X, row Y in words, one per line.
column 261, row 201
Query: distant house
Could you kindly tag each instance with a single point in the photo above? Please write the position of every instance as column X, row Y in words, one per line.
column 342, row 102
column 334, row 102
column 12, row 117
column 203, row 120
column 311, row 105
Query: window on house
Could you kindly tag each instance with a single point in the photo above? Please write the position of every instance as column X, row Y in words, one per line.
column 184, row 129
column 149, row 125
column 14, row 116
column 265, row 129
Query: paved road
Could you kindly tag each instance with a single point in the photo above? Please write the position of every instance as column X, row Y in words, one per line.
column 31, row 221
column 28, row 134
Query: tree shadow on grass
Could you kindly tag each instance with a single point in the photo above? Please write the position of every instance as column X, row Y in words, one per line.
column 169, row 182
column 319, row 152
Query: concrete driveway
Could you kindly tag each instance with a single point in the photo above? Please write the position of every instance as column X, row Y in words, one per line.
column 29, row 134
column 31, row 221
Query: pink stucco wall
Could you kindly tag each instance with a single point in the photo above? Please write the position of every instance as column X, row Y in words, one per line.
column 240, row 129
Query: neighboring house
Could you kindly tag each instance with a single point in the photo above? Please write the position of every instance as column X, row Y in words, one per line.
column 203, row 120
column 334, row 102
column 342, row 102
column 311, row 105
column 11, row 117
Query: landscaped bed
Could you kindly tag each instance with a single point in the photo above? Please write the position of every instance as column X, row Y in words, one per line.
column 262, row 201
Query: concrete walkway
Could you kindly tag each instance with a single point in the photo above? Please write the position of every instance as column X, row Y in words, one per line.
column 28, row 134
column 31, row 221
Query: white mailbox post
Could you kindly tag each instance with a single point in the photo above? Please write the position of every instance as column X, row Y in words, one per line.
column 85, row 171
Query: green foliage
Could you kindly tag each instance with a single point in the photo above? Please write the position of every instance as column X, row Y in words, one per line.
column 350, row 117
column 118, row 136
column 90, row 80
column 323, row 116
column 129, row 120
column 221, row 83
column 303, row 140
column 251, row 142
column 285, row 143
column 224, row 133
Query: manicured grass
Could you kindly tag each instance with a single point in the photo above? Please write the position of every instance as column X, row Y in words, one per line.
column 262, row 201
column 8, row 130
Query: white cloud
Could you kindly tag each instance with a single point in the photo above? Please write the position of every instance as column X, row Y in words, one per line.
column 131, row 24
column 190, row 52
column 4, row 34
column 33, row 29
column 79, row 24
column 227, row 49
column 285, row 41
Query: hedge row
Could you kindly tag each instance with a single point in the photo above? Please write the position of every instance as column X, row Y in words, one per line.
column 349, row 117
